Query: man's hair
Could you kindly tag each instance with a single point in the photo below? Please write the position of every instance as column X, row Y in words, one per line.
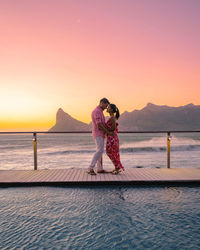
column 104, row 100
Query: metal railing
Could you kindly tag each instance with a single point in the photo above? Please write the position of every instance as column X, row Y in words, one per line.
column 168, row 133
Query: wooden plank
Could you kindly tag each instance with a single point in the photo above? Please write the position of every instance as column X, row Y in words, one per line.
column 76, row 177
column 83, row 176
column 46, row 176
column 98, row 177
column 56, row 175
column 90, row 178
column 102, row 177
column 114, row 177
column 148, row 175
column 73, row 176
column 61, row 176
column 131, row 175
column 87, row 176
column 123, row 175
column 107, row 177
column 40, row 176
column 30, row 176
column 68, row 173
column 141, row 175
column 79, row 175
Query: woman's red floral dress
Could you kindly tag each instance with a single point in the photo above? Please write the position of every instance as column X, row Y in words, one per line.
column 112, row 147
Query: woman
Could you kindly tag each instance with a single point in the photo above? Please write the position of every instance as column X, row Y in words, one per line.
column 112, row 145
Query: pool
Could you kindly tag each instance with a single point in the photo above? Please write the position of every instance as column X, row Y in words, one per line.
column 100, row 218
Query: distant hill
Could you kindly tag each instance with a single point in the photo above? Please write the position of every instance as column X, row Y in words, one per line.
column 152, row 117
column 64, row 122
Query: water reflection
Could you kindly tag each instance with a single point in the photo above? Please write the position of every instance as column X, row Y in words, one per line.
column 173, row 194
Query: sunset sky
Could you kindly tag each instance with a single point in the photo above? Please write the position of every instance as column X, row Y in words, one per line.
column 71, row 53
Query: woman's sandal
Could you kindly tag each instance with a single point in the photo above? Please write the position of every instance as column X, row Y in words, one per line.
column 116, row 171
column 91, row 172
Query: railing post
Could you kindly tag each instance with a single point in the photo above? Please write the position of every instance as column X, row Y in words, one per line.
column 168, row 149
column 35, row 149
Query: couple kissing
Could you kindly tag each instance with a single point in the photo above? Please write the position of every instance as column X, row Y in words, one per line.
column 101, row 130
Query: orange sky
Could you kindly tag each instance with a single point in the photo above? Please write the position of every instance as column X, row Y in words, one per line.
column 70, row 54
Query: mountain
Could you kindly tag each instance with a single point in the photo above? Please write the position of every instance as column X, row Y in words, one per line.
column 152, row 117
column 64, row 122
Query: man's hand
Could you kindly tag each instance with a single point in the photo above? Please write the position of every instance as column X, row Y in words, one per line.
column 105, row 130
column 102, row 128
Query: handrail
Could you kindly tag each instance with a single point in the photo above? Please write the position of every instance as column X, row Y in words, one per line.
column 89, row 132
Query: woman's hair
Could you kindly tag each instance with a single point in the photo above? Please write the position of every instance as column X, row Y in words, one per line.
column 115, row 110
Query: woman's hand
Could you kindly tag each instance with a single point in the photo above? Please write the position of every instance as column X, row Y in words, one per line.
column 110, row 133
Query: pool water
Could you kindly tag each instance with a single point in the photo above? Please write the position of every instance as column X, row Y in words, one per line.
column 100, row 218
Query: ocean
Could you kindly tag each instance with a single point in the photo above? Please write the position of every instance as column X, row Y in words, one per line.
column 99, row 217
column 58, row 151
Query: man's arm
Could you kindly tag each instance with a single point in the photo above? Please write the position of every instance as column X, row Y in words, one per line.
column 102, row 128
column 105, row 130
column 100, row 125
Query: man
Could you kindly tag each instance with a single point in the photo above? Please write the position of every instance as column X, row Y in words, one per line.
column 98, row 132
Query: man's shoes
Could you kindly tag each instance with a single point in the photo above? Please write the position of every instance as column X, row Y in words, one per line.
column 91, row 172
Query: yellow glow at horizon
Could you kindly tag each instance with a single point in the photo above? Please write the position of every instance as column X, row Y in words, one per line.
column 23, row 108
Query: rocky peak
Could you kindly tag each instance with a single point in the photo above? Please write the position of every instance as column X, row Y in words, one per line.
column 64, row 122
column 61, row 115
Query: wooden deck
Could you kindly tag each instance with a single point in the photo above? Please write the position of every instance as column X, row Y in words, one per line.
column 131, row 176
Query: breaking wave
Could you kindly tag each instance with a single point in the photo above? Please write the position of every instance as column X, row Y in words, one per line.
column 131, row 150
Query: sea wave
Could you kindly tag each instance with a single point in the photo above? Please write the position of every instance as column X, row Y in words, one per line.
column 130, row 150
column 160, row 149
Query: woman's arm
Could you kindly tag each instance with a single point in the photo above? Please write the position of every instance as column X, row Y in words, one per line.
column 113, row 124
